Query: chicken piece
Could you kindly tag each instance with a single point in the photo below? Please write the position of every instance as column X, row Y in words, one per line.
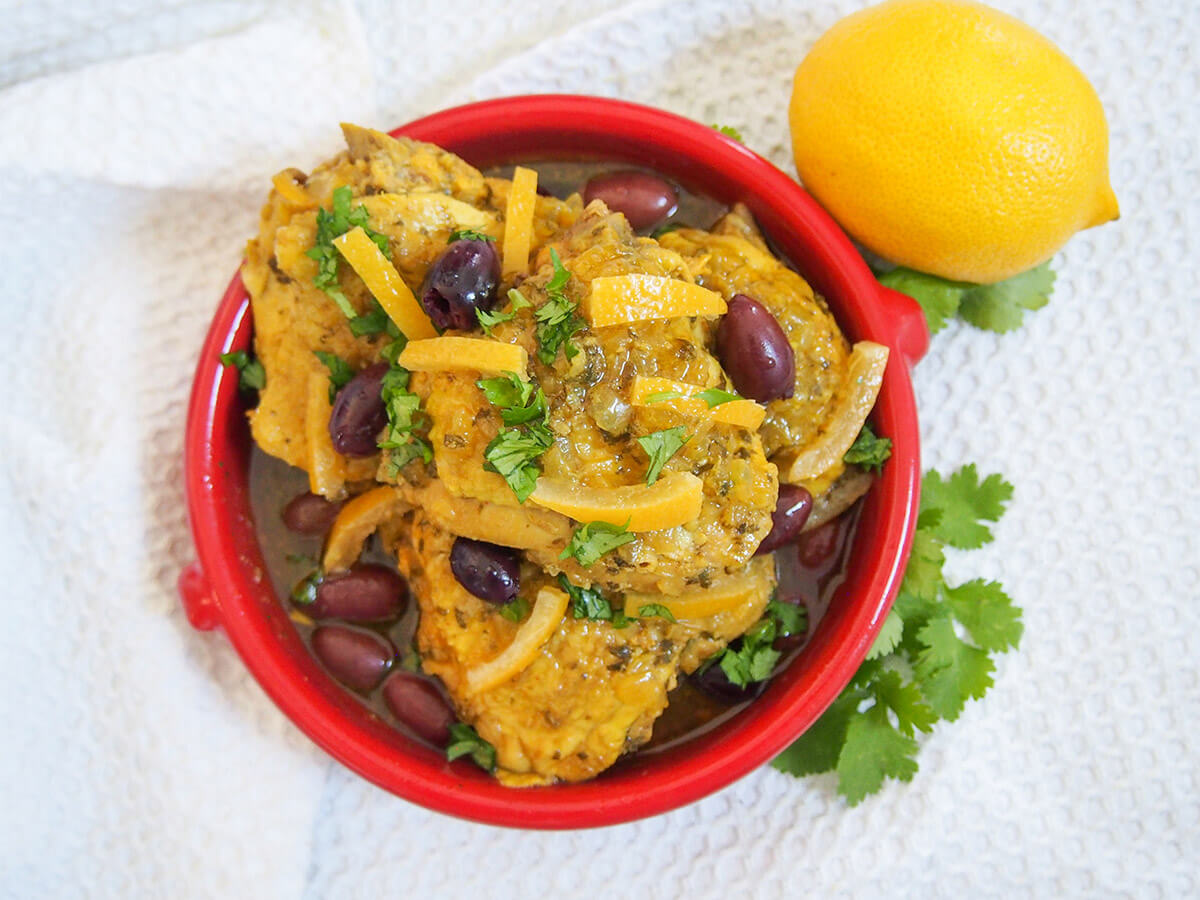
column 590, row 694
column 596, row 428
column 416, row 194
column 736, row 261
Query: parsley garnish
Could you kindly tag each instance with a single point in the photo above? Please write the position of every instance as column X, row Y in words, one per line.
column 919, row 669
column 996, row 307
column 334, row 223
column 468, row 234
column 868, row 450
column 513, row 453
column 465, row 741
column 374, row 321
column 587, row 603
column 593, row 540
column 340, row 371
column 730, row 132
column 489, row 320
column 557, row 318
column 305, row 591
column 515, row 610
column 753, row 656
column 716, row 396
column 405, row 417
column 661, row 446
column 251, row 375
column 655, row 609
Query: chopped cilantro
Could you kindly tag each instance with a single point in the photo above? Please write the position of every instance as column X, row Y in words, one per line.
column 869, row 451
column 587, row 603
column 557, row 318
column 651, row 610
column 340, row 371
column 515, row 610
column 251, row 375
column 513, row 453
column 468, row 234
column 374, row 321
column 920, row 669
column 660, row 446
column 517, row 299
column 730, row 132
column 465, row 741
column 790, row 618
column 305, row 591
column 489, row 320
column 996, row 307
column 593, row 540
column 333, row 223
column 405, row 419
column 716, row 396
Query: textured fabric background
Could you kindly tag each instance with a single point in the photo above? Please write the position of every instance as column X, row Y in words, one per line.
column 138, row 758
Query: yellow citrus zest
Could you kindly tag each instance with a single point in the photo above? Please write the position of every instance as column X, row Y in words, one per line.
column 355, row 522
column 518, row 221
column 543, row 621
column 384, row 283
column 326, row 467
column 658, row 393
column 724, row 595
column 618, row 299
column 440, row 354
column 674, row 499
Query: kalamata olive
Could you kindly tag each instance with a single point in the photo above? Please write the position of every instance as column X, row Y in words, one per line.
column 363, row 593
column 488, row 571
column 645, row 199
column 792, row 509
column 358, row 413
column 416, row 702
column 816, row 546
column 713, row 681
column 462, row 280
column 755, row 351
column 309, row 514
column 358, row 659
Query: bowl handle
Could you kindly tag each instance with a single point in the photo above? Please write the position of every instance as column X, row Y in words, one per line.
column 199, row 601
column 906, row 322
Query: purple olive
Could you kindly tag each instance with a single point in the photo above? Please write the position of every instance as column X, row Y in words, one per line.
column 792, row 509
column 418, row 704
column 488, row 571
column 462, row 280
column 358, row 659
column 755, row 351
column 645, row 199
column 363, row 593
column 713, row 681
column 358, row 413
column 310, row 514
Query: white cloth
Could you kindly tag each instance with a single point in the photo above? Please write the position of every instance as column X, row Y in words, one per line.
column 138, row 758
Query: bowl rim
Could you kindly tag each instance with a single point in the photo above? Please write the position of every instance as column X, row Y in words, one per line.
column 227, row 585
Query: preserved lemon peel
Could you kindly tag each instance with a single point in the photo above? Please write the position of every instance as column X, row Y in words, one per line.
column 724, row 595
column 619, row 299
column 440, row 354
column 290, row 190
column 355, row 522
column 864, row 375
column 326, row 467
column 675, row 499
column 543, row 621
column 647, row 389
column 384, row 283
column 518, row 221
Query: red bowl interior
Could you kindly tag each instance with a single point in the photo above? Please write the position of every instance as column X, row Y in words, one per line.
column 228, row 585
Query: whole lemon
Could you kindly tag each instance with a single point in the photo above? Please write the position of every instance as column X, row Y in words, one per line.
column 950, row 138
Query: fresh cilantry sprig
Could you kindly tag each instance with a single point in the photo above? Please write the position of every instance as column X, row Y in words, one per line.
column 468, row 234
column 465, row 741
column 933, row 653
column 402, row 438
column 333, row 223
column 753, row 656
column 996, row 307
column 592, row 540
column 515, row 451
column 660, row 446
column 490, row 319
column 251, row 375
column 340, row 372
column 589, row 603
column 557, row 319
column 869, row 450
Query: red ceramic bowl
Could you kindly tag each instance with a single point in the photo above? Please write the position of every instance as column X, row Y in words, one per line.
column 227, row 586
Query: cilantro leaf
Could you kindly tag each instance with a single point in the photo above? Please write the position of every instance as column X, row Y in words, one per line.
column 593, row 540
column 660, row 446
column 340, row 372
column 588, row 603
column 730, row 132
column 905, row 700
column 987, row 613
column 873, row 750
column 869, row 451
column 305, row 590
column 557, row 318
column 333, row 223
column 374, row 321
column 489, row 320
column 651, row 610
column 716, row 396
column 251, row 375
column 506, row 391
column 465, row 741
column 949, row 670
column 513, row 454
column 517, row 299
column 888, row 637
column 405, row 420
column 515, row 610
column 817, row 750
column 964, row 501
column 790, row 618
column 996, row 307
column 468, row 234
